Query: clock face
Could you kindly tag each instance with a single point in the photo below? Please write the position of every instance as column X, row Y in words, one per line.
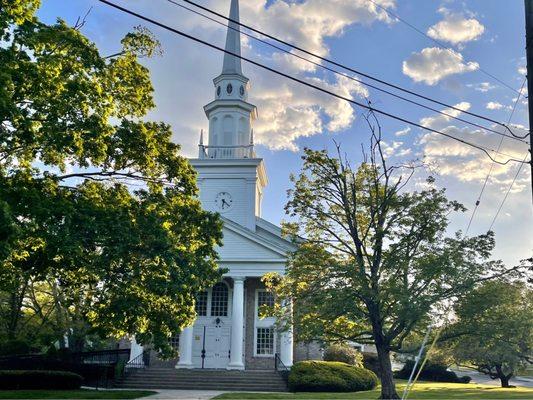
column 223, row 201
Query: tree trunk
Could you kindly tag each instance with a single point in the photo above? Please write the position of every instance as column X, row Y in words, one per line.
column 504, row 379
column 388, row 388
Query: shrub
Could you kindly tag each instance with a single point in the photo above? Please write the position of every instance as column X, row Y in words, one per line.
column 12, row 347
column 328, row 376
column 432, row 372
column 343, row 353
column 25, row 379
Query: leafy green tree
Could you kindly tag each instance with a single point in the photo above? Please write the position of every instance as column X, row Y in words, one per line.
column 495, row 324
column 96, row 200
column 376, row 262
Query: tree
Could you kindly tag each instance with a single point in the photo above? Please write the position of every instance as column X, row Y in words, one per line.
column 376, row 262
column 495, row 323
column 94, row 200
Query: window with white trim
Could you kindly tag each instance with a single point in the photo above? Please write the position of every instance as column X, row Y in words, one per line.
column 264, row 299
column 219, row 300
column 264, row 332
column 174, row 341
column 265, row 341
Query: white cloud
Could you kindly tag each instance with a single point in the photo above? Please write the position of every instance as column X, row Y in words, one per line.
column 494, row 105
column 433, row 64
column 288, row 111
column 482, row 87
column 394, row 149
column 310, row 22
column 403, row 132
column 466, row 163
column 522, row 70
column 441, row 121
column 456, row 29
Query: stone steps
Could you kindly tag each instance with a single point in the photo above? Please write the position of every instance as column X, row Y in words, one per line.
column 167, row 378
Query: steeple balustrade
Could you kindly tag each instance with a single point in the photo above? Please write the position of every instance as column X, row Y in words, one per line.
column 227, row 152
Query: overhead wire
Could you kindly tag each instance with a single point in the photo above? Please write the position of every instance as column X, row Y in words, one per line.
column 346, row 75
column 507, row 193
column 478, row 201
column 485, row 150
column 439, row 43
column 337, row 64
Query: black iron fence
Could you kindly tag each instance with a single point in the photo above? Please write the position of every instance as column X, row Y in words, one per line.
column 98, row 368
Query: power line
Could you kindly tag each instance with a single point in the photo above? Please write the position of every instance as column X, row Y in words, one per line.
column 478, row 201
column 507, row 193
column 485, row 150
column 514, row 137
column 337, row 64
column 439, row 43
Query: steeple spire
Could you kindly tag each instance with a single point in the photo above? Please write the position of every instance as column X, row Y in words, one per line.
column 232, row 64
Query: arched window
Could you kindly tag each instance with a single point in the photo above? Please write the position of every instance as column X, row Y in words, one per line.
column 219, row 300
column 228, row 129
column 243, row 132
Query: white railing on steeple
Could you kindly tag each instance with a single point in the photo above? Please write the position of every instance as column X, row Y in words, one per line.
column 227, row 152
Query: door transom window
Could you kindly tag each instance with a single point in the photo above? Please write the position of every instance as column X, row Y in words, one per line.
column 214, row 302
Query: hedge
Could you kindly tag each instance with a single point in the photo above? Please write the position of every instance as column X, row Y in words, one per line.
column 29, row 379
column 328, row 376
column 432, row 372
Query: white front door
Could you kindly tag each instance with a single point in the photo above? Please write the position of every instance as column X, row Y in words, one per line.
column 217, row 345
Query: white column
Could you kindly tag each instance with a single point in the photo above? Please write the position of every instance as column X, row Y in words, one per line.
column 185, row 348
column 286, row 345
column 286, row 342
column 136, row 349
column 237, row 324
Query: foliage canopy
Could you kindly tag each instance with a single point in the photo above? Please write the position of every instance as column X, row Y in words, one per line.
column 376, row 263
column 100, row 226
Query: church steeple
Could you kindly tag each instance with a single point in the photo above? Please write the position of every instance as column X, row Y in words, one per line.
column 230, row 115
column 232, row 64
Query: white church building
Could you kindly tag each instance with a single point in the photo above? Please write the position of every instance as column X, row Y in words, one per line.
column 228, row 332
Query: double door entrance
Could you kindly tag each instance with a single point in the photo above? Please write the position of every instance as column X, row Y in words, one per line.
column 211, row 344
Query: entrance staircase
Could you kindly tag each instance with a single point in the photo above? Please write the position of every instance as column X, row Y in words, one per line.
column 198, row 379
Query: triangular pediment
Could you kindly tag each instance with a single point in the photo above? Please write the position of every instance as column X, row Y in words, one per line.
column 242, row 243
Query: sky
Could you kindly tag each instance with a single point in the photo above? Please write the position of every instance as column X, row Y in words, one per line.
column 485, row 39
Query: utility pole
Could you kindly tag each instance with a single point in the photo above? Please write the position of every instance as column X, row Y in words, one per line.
column 529, row 56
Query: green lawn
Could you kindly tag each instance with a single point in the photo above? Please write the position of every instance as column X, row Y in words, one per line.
column 74, row 394
column 423, row 390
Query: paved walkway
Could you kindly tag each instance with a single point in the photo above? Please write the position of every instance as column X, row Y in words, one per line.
column 478, row 377
column 185, row 394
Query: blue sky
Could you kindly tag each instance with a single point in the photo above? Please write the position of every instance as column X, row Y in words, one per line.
column 488, row 34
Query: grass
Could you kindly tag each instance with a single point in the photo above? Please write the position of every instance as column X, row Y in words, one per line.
column 74, row 394
column 422, row 390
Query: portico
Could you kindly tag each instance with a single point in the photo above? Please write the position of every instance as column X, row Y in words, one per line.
column 228, row 334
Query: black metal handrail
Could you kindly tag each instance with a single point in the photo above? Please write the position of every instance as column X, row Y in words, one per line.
column 142, row 361
column 281, row 368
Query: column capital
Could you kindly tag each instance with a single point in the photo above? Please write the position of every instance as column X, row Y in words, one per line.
column 238, row 278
